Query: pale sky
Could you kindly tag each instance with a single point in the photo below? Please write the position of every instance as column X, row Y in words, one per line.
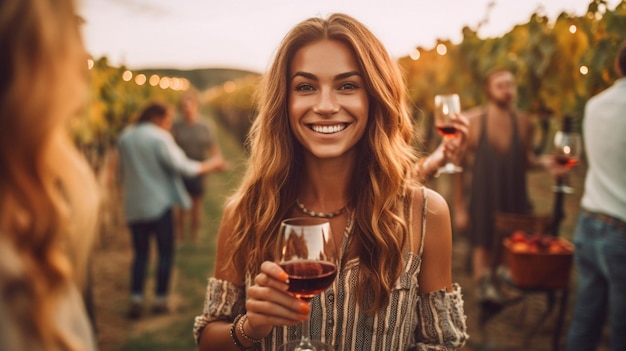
column 244, row 34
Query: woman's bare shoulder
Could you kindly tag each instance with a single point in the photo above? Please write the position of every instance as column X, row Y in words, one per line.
column 435, row 202
column 436, row 214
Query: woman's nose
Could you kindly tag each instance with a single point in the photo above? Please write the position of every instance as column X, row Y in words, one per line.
column 327, row 103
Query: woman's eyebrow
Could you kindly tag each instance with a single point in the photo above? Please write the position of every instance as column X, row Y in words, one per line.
column 314, row 77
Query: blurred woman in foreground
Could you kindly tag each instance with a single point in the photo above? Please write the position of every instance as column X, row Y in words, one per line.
column 48, row 195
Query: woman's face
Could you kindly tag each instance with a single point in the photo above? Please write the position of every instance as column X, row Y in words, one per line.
column 328, row 103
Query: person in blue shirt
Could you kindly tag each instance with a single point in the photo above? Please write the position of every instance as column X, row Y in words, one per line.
column 152, row 167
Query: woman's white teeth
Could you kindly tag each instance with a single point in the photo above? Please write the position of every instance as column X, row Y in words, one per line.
column 329, row 129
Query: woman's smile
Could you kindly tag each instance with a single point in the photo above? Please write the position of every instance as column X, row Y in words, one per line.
column 328, row 129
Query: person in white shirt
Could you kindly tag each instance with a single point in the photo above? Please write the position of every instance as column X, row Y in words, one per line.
column 600, row 234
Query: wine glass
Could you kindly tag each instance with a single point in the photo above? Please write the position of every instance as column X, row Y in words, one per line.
column 567, row 150
column 447, row 108
column 309, row 256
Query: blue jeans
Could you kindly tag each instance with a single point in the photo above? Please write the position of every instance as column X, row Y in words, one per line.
column 163, row 229
column 600, row 259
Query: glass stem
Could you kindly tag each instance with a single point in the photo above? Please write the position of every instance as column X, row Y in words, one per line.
column 305, row 341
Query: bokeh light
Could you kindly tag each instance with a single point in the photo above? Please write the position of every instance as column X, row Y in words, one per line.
column 442, row 49
column 154, row 80
column 140, row 79
column 164, row 83
column 186, row 84
column 127, row 76
column 415, row 54
column 176, row 83
column 584, row 70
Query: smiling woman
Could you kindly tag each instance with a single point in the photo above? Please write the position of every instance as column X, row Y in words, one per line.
column 328, row 101
column 334, row 132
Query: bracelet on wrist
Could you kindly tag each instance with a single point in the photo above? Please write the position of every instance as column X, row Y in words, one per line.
column 233, row 334
column 240, row 323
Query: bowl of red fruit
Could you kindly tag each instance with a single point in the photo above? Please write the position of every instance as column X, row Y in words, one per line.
column 539, row 261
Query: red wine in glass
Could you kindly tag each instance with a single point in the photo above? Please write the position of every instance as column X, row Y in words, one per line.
column 567, row 149
column 309, row 278
column 447, row 108
column 446, row 131
column 566, row 161
column 309, row 257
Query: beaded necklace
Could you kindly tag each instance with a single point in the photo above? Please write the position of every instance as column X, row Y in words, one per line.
column 320, row 214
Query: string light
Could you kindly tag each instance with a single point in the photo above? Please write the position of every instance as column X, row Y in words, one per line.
column 127, row 76
column 140, row 79
column 164, row 83
column 415, row 54
column 154, row 80
column 442, row 49
column 584, row 70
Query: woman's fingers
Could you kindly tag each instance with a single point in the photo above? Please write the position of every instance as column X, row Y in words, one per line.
column 276, row 307
column 267, row 307
column 269, row 302
column 272, row 276
column 461, row 122
column 270, row 288
column 274, row 271
column 451, row 147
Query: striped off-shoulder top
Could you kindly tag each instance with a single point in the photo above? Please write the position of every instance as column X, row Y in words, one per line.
column 411, row 321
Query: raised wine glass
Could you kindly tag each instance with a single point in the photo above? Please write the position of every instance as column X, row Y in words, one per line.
column 447, row 109
column 309, row 256
column 567, row 150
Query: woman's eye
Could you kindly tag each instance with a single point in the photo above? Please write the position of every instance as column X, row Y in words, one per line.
column 304, row 87
column 347, row 86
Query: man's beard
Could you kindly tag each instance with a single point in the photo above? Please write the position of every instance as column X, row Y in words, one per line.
column 505, row 103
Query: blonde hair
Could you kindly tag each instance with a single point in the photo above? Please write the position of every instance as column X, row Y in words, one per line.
column 48, row 194
column 384, row 166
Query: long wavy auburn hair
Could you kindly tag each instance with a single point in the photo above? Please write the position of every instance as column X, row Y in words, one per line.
column 386, row 156
column 48, row 194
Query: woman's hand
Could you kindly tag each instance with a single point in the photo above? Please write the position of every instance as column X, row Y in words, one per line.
column 454, row 147
column 269, row 303
column 554, row 168
column 450, row 149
